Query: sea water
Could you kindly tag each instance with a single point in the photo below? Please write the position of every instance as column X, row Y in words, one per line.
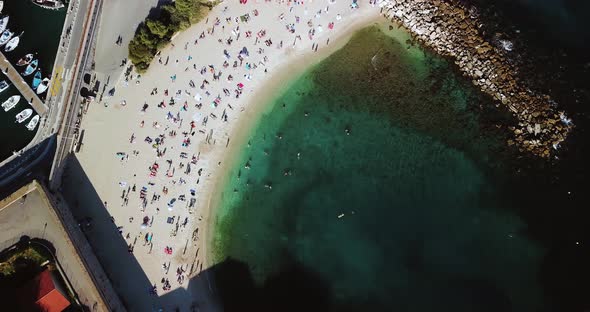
column 372, row 184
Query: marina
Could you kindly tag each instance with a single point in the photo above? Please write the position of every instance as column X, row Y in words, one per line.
column 30, row 35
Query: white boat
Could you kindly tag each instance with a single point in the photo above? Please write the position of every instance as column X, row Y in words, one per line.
column 3, row 23
column 43, row 86
column 11, row 102
column 49, row 4
column 12, row 44
column 24, row 115
column 33, row 123
column 5, row 37
column 3, row 85
column 1, row 6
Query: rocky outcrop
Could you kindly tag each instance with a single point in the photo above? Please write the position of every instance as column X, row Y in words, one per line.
column 453, row 31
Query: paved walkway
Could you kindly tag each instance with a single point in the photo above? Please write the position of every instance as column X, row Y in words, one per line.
column 31, row 212
column 22, row 86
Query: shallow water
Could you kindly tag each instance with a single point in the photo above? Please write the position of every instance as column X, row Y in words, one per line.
column 406, row 211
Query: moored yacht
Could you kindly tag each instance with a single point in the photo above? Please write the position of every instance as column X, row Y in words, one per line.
column 24, row 115
column 11, row 102
column 49, row 4
column 5, row 37
column 36, row 80
column 43, row 86
column 31, row 67
column 25, row 60
column 33, row 123
column 3, row 23
column 3, row 85
column 12, row 44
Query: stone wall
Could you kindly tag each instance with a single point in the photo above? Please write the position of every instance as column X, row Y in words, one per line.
column 453, row 31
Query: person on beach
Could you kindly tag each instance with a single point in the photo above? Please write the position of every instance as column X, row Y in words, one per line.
column 250, row 46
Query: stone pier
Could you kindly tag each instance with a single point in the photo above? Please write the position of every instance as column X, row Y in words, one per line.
column 452, row 31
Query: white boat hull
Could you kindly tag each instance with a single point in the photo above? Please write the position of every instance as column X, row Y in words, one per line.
column 24, row 115
column 43, row 86
column 33, row 123
column 11, row 102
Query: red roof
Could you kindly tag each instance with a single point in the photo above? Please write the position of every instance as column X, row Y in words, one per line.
column 40, row 295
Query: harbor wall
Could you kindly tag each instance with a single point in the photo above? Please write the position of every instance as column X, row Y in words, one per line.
column 452, row 29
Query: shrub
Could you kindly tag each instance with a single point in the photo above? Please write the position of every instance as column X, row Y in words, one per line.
column 155, row 34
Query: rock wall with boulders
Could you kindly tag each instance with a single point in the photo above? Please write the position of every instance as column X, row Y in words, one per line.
column 452, row 30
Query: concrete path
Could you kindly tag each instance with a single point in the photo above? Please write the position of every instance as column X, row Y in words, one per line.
column 29, row 212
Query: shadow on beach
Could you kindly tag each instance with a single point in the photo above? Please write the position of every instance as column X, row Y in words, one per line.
column 126, row 275
column 295, row 288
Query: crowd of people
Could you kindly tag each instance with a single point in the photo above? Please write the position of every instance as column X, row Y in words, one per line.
column 189, row 110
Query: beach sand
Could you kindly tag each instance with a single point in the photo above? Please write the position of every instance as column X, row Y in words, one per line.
column 110, row 125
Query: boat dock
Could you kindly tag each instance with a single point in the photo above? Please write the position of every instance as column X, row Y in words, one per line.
column 24, row 88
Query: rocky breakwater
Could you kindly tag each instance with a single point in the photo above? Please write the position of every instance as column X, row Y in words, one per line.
column 452, row 31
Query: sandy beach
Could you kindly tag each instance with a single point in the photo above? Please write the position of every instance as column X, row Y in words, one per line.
column 157, row 152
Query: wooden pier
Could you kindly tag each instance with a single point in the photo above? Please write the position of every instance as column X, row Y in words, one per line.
column 25, row 89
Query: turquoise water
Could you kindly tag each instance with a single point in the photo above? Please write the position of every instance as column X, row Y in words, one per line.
column 374, row 183
column 41, row 30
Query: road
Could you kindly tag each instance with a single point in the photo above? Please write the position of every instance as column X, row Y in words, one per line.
column 69, row 118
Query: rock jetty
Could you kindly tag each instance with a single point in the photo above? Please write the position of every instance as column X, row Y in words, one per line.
column 452, row 30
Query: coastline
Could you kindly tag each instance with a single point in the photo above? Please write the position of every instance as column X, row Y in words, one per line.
column 110, row 124
column 108, row 128
column 261, row 102
column 452, row 30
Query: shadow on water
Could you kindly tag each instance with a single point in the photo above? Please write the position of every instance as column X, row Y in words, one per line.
column 299, row 288
column 295, row 288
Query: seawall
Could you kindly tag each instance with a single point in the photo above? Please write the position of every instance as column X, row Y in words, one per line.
column 452, row 30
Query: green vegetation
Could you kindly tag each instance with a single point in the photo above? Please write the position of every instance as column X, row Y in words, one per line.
column 19, row 265
column 155, row 33
column 25, row 259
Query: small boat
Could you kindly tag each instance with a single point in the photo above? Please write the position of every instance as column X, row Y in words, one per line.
column 43, row 86
column 24, row 115
column 25, row 60
column 3, row 22
column 31, row 67
column 49, row 4
column 11, row 102
column 5, row 37
column 33, row 123
column 3, row 85
column 13, row 43
column 36, row 80
column 1, row 6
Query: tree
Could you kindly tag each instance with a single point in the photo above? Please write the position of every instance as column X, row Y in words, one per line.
column 154, row 34
column 157, row 28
